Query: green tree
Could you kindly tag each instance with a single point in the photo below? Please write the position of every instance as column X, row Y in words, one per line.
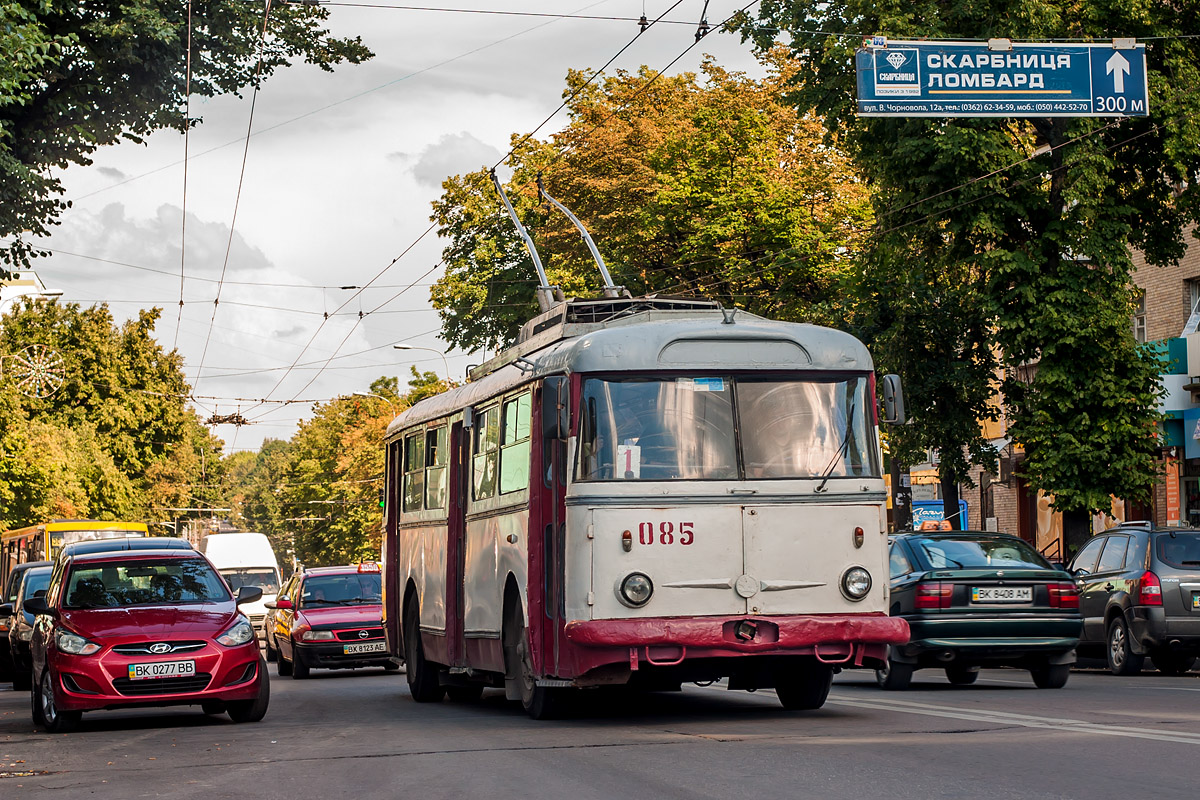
column 78, row 76
column 116, row 438
column 1043, row 235
column 708, row 186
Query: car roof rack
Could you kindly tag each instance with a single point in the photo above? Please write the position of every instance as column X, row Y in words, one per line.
column 1137, row 523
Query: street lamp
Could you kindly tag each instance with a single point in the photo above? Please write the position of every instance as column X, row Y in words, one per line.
column 445, row 363
column 381, row 397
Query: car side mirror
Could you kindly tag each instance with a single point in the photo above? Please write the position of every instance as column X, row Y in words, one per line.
column 271, row 604
column 893, row 400
column 1080, row 573
column 556, row 423
column 37, row 605
column 6, row 609
column 283, row 604
column 248, row 594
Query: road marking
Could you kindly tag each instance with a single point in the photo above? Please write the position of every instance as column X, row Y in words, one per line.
column 1007, row 718
column 1124, row 686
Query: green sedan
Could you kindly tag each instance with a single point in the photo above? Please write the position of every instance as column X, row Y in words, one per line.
column 975, row 599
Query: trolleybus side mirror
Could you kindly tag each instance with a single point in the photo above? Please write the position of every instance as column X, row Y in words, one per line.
column 893, row 400
column 6, row 610
column 555, row 422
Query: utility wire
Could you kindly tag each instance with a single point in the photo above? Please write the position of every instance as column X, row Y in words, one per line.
column 187, row 126
column 262, row 43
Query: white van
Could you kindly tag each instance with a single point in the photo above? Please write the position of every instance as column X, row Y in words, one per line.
column 245, row 559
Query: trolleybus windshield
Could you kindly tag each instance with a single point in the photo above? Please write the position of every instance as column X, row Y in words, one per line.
column 724, row 428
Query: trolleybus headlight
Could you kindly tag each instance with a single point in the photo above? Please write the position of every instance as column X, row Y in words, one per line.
column 635, row 589
column 856, row 583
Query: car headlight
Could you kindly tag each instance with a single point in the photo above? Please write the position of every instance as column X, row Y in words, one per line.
column 635, row 589
column 241, row 632
column 856, row 583
column 74, row 644
column 316, row 636
column 25, row 634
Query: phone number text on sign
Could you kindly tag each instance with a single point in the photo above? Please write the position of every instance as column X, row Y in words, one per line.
column 667, row 533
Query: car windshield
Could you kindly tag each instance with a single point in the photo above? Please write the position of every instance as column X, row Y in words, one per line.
column 266, row 579
column 1179, row 550
column 36, row 580
column 722, row 428
column 981, row 553
column 144, row 582
column 353, row 589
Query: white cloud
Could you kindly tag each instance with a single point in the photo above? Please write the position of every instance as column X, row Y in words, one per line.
column 452, row 154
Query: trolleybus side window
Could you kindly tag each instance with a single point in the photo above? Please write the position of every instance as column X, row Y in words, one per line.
column 414, row 471
column 514, row 444
column 437, row 455
column 487, row 444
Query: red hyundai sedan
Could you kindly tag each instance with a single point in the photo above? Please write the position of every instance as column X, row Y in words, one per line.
column 143, row 628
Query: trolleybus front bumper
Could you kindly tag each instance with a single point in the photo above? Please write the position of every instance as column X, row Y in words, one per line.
column 851, row 640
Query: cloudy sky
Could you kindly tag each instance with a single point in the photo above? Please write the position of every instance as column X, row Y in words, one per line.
column 340, row 171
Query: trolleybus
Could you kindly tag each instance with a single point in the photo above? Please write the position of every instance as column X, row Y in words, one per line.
column 43, row 542
column 642, row 492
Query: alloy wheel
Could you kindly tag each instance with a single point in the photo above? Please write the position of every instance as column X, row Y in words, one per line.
column 46, row 695
column 1116, row 644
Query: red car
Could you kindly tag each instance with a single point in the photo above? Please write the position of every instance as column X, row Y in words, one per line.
column 137, row 628
column 329, row 617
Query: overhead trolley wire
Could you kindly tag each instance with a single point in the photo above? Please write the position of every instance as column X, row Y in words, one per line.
column 336, row 103
column 262, row 43
column 433, row 226
column 187, row 126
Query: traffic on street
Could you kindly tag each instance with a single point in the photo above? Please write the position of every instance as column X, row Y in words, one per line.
column 360, row 731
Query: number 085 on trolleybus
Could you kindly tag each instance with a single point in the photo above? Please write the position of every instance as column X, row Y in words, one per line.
column 642, row 492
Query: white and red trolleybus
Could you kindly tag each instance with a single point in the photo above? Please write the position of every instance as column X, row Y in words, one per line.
column 642, row 492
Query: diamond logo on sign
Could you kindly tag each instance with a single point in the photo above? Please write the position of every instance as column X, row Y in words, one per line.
column 897, row 73
column 1196, row 430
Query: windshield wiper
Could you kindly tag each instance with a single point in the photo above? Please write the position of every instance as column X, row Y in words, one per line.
column 840, row 451
column 353, row 601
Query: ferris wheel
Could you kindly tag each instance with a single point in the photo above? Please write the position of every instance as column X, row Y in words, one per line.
column 38, row 370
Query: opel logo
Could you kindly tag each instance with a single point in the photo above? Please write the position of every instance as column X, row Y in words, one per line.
column 363, row 634
column 160, row 647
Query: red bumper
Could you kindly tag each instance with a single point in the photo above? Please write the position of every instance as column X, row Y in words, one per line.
column 850, row 639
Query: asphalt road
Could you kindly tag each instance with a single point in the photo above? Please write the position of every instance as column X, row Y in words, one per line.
column 358, row 734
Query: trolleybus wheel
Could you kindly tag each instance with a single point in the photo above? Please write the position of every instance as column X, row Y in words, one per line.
column 539, row 702
column 805, row 688
column 423, row 682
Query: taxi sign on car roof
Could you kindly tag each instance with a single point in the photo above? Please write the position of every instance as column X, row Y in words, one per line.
column 368, row 566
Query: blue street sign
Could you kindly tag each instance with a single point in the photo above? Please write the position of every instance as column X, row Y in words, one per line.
column 1001, row 79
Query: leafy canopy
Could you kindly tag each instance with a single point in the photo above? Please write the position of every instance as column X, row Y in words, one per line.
column 78, row 76
column 710, row 186
column 1030, row 243
column 116, row 440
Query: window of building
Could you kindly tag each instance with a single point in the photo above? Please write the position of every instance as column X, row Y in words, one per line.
column 1139, row 318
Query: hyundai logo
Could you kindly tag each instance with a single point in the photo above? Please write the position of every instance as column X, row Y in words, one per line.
column 160, row 647
column 363, row 634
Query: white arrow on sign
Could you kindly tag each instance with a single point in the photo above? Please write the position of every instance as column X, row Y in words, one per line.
column 1118, row 67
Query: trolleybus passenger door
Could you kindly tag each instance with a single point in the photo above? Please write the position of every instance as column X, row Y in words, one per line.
column 550, row 492
column 455, row 544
